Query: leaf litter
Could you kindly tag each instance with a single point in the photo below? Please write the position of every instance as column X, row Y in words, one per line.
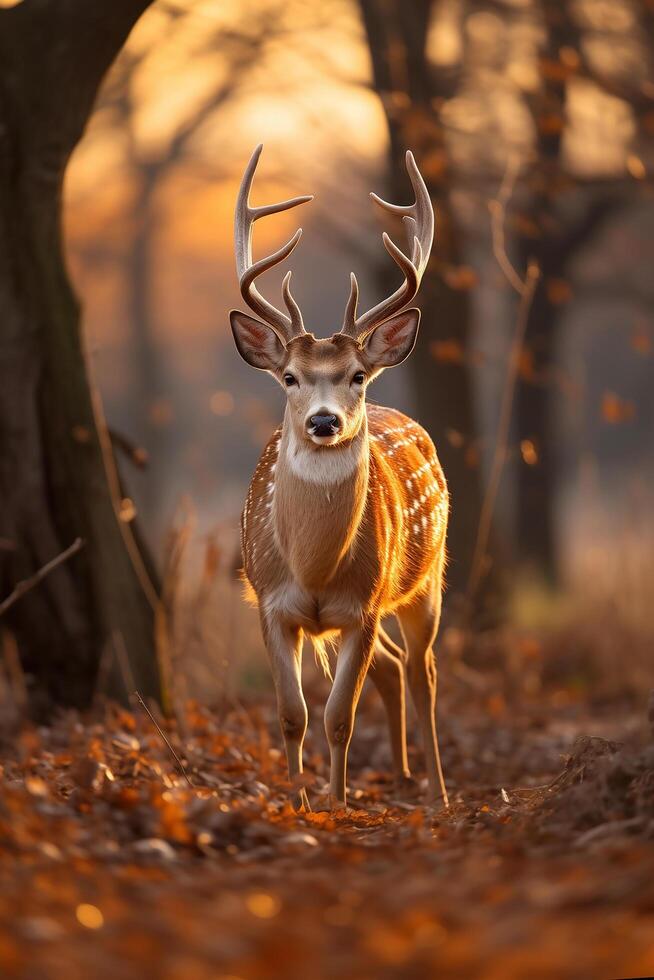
column 112, row 864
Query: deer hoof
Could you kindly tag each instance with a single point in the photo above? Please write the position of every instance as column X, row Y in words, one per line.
column 330, row 805
column 300, row 802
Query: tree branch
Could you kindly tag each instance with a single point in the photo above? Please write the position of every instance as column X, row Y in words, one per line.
column 525, row 288
column 177, row 759
column 29, row 583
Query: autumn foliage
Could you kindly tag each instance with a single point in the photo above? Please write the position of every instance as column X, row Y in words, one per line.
column 113, row 865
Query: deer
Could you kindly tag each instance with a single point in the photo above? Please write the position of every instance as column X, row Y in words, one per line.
column 346, row 515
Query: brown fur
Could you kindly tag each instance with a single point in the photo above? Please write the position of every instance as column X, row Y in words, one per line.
column 346, row 514
column 342, row 529
column 356, row 539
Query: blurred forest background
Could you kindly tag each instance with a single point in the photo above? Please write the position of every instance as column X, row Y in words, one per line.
column 337, row 91
column 551, row 106
column 129, row 428
column 561, row 95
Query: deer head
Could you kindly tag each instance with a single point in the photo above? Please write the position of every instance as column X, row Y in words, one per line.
column 326, row 380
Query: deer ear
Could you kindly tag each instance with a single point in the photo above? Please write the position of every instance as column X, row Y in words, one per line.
column 256, row 342
column 392, row 341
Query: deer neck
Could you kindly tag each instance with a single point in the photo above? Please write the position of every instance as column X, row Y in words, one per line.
column 319, row 502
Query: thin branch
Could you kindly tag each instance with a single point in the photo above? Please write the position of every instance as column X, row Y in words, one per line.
column 503, row 429
column 497, row 208
column 525, row 288
column 29, row 583
column 154, row 721
column 135, row 454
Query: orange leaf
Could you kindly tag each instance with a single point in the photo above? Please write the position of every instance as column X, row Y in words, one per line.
column 471, row 457
column 496, row 706
column 557, row 71
column 550, row 123
column 526, row 226
column 530, row 647
column 558, row 291
column 161, row 412
column 616, row 410
column 455, row 438
column 526, row 364
column 81, row 434
column 460, row 277
column 569, row 57
column 636, row 167
column 528, row 452
column 434, row 165
column 641, row 340
column 447, row 351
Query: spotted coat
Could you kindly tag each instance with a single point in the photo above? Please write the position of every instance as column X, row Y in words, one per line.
column 406, row 509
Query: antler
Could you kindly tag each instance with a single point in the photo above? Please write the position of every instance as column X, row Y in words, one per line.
column 419, row 220
column 286, row 327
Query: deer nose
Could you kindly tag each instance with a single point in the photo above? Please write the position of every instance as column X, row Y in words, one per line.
column 324, row 425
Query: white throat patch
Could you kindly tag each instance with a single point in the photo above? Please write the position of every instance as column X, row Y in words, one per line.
column 324, row 466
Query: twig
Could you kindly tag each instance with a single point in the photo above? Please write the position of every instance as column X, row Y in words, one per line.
column 29, row 583
column 122, row 659
column 497, row 208
column 168, row 642
column 525, row 288
column 154, row 721
column 136, row 454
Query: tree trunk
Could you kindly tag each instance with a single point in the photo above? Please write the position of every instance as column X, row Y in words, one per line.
column 57, row 476
column 445, row 400
column 146, row 386
column 536, row 479
column 554, row 251
column 554, row 246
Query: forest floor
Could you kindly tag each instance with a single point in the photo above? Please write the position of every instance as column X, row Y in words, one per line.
column 113, row 866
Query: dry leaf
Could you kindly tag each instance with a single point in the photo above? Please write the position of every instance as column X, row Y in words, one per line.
column 447, row 351
column 616, row 410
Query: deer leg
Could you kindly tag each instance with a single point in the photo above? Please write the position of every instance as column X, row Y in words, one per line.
column 387, row 675
column 419, row 622
column 284, row 645
column 352, row 664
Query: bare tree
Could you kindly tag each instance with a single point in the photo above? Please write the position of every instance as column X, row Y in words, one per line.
column 556, row 235
column 232, row 51
column 57, row 475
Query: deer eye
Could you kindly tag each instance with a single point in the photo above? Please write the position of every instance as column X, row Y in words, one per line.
column 289, row 380
column 358, row 378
